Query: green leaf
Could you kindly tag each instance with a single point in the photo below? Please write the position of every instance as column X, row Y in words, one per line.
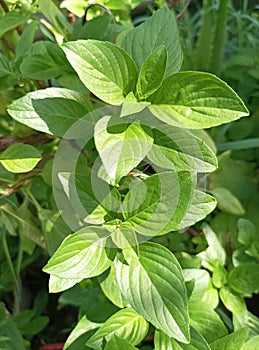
column 81, row 255
column 110, row 287
column 196, row 100
column 45, row 60
column 159, row 30
column 126, row 324
column 201, row 280
column 163, row 342
column 116, row 343
column 153, row 284
column 201, row 205
column 56, row 18
column 53, row 227
column 215, row 253
column 246, row 232
column 53, row 110
column 252, row 344
column 120, row 152
column 145, row 203
column 152, row 73
column 83, row 326
column 20, row 158
column 5, row 66
column 95, row 29
column 233, row 302
column 10, row 336
column 233, row 341
column 219, row 276
column 57, row 284
column 91, row 198
column 105, row 69
column 244, row 278
column 206, row 321
column 11, row 20
column 227, row 201
column 26, row 40
column 178, row 149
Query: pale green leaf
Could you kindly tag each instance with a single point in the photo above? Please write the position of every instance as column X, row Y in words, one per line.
column 20, row 158
column 152, row 73
column 126, row 324
column 53, row 110
column 178, row 149
column 81, row 255
column 57, row 285
column 196, row 100
column 201, row 205
column 206, row 321
column 201, row 281
column 153, row 284
column 233, row 302
column 105, row 69
column 163, row 342
column 116, row 343
column 158, row 202
column 83, row 326
column 227, row 202
column 159, row 30
column 110, row 287
column 215, row 253
column 252, row 344
column 120, row 152
column 233, row 341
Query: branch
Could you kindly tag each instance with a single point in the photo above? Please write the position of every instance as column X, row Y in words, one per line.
column 4, row 6
column 34, row 139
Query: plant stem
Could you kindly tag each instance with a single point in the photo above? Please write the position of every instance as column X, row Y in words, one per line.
column 203, row 48
column 16, row 308
column 4, row 6
column 219, row 39
column 238, row 145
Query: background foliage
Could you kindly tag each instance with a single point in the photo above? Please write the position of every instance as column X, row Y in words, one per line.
column 214, row 266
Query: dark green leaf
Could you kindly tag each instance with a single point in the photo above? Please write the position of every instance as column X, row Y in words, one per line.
column 10, row 337
column 152, row 73
column 11, row 20
column 45, row 60
column 244, row 278
column 159, row 30
column 52, row 110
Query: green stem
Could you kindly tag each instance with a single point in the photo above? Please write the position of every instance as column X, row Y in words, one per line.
column 219, row 39
column 203, row 48
column 16, row 309
column 238, row 145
